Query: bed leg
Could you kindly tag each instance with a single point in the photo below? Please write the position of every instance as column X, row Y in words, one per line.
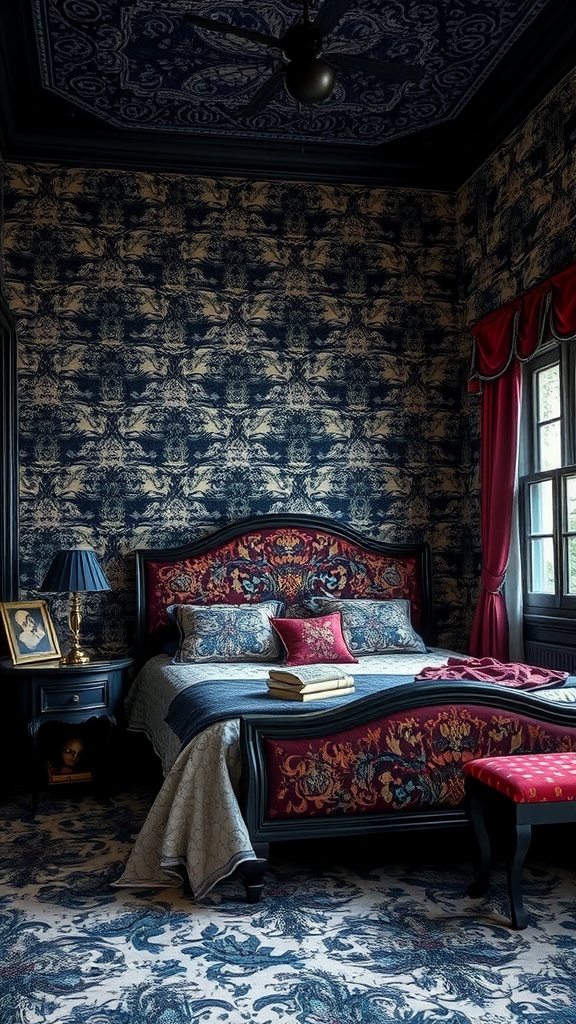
column 253, row 874
column 186, row 887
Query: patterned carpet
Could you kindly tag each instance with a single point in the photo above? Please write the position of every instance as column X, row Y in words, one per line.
column 336, row 939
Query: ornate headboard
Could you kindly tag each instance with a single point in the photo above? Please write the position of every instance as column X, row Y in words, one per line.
column 291, row 557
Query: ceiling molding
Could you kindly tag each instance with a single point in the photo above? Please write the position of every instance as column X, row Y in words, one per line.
column 38, row 126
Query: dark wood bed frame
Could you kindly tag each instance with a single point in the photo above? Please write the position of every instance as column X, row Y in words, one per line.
column 261, row 734
column 199, row 573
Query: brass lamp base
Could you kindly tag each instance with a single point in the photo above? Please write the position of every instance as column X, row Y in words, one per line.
column 75, row 657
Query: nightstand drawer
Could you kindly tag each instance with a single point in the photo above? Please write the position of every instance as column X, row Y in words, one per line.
column 73, row 698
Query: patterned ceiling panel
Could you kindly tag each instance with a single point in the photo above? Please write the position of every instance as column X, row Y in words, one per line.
column 140, row 65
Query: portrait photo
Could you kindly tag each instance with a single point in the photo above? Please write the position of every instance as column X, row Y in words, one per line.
column 67, row 759
column 29, row 631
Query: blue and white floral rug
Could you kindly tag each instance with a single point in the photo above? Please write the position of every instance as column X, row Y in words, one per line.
column 330, row 943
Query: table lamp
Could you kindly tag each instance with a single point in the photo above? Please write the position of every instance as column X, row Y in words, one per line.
column 75, row 571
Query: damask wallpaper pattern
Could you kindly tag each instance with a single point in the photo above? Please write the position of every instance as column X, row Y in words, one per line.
column 194, row 351
column 517, row 217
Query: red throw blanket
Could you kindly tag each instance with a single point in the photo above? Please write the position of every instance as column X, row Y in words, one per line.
column 488, row 670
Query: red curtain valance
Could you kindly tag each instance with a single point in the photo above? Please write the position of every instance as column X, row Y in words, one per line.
column 520, row 327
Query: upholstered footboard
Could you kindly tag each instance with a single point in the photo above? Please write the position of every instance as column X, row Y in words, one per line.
column 392, row 760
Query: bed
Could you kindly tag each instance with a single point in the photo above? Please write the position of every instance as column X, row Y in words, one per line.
column 242, row 769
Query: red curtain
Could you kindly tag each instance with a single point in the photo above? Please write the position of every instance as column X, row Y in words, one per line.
column 502, row 341
column 499, row 428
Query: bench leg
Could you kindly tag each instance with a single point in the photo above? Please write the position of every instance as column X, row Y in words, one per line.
column 521, row 842
column 479, row 886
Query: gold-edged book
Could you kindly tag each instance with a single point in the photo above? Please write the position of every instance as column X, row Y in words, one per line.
column 324, row 684
column 302, row 675
column 303, row 695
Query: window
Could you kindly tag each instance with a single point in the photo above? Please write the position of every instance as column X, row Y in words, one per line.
column 548, row 481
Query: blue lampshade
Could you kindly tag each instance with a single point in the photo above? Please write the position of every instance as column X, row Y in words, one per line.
column 76, row 569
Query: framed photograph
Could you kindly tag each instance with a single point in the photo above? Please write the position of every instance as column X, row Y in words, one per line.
column 29, row 631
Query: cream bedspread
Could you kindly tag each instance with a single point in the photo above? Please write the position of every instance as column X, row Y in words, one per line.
column 194, row 825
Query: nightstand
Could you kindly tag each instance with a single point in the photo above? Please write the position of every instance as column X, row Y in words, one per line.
column 48, row 691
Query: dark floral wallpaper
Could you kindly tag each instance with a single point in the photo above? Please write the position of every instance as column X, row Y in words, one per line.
column 517, row 215
column 195, row 351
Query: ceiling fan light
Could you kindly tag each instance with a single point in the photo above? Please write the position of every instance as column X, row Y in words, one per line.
column 310, row 80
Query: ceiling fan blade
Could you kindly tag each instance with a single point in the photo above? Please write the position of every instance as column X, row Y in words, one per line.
column 226, row 29
column 380, row 68
column 271, row 86
column 329, row 15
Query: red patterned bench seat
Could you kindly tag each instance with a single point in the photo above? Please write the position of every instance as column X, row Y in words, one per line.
column 534, row 789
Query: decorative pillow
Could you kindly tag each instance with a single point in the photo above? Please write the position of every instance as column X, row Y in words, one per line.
column 374, row 627
column 227, row 632
column 313, row 641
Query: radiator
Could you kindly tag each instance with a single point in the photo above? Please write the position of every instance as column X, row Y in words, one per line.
column 551, row 656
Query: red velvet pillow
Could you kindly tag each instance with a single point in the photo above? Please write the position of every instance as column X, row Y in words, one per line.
column 313, row 641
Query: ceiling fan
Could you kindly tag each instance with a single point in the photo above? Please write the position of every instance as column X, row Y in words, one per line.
column 307, row 76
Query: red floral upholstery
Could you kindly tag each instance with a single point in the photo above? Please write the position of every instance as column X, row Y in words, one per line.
column 286, row 563
column 310, row 641
column 538, row 778
column 405, row 761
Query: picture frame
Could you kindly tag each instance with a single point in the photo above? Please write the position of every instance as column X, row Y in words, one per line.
column 29, row 631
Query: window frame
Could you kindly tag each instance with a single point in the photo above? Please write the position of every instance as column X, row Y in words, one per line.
column 561, row 604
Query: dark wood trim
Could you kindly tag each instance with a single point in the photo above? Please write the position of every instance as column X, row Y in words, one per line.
column 9, row 511
column 553, row 627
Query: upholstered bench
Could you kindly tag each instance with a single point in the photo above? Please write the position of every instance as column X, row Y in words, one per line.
column 526, row 789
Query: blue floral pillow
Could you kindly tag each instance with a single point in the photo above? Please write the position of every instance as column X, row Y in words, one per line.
column 227, row 632
column 374, row 627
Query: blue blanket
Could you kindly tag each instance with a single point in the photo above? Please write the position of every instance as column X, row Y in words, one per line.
column 215, row 700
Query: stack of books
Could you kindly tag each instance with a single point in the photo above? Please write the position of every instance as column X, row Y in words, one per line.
column 309, row 682
column 58, row 776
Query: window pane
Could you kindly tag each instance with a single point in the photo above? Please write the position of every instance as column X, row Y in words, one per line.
column 547, row 461
column 550, row 446
column 570, row 503
column 542, row 579
column 548, row 418
column 548, row 392
column 571, row 565
column 541, row 507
